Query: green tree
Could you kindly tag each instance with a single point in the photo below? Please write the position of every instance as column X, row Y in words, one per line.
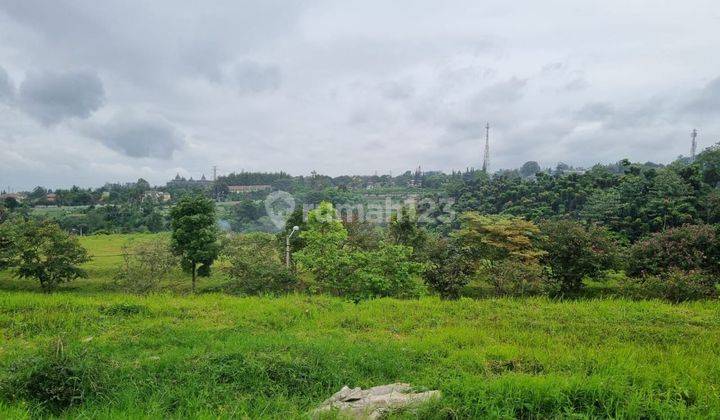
column 45, row 252
column 500, row 237
column 194, row 234
column 574, row 251
column 335, row 268
column 256, row 264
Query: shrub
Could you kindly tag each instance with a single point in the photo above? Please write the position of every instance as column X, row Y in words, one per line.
column 145, row 265
column 335, row 268
column 44, row 252
column 256, row 265
column 674, row 285
column 515, row 278
column 448, row 267
column 687, row 248
column 574, row 251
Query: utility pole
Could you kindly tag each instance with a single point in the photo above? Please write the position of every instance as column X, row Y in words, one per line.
column 486, row 156
column 693, row 149
column 287, row 246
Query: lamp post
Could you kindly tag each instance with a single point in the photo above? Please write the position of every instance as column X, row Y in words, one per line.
column 287, row 245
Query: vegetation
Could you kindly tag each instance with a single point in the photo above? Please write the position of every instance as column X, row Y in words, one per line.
column 588, row 240
column 219, row 356
column 194, row 234
column 41, row 251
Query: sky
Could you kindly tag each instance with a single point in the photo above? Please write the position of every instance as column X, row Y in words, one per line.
column 111, row 91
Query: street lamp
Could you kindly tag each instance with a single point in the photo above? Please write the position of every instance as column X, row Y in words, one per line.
column 287, row 245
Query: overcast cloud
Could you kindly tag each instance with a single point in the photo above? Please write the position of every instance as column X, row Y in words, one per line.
column 113, row 90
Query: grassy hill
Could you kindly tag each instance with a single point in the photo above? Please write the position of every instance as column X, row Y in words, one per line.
column 214, row 355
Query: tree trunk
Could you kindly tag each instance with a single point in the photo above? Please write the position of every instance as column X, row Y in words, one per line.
column 193, row 276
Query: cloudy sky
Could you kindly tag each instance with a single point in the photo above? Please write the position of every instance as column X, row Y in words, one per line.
column 95, row 91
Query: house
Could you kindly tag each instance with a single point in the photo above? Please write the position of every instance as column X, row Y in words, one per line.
column 51, row 197
column 159, row 196
column 242, row 189
column 14, row 196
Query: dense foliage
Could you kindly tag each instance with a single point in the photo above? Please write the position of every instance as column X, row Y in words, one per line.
column 194, row 234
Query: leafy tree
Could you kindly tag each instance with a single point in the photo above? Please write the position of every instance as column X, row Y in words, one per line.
column 337, row 269
column 449, row 267
column 194, row 234
column 45, row 252
column 500, row 237
column 256, row 264
column 529, row 169
column 145, row 265
column 688, row 248
column 574, row 251
column 404, row 230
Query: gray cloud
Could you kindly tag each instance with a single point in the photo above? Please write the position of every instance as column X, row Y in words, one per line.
column 138, row 137
column 52, row 97
column 7, row 91
column 252, row 77
column 706, row 101
column 257, row 83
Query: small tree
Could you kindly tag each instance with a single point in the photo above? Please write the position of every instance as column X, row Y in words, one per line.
column 145, row 264
column 500, row 237
column 687, row 248
column 574, row 251
column 256, row 264
column 194, row 234
column 337, row 269
column 45, row 252
column 449, row 266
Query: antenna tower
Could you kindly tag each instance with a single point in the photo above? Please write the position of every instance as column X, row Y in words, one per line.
column 693, row 150
column 214, row 168
column 486, row 156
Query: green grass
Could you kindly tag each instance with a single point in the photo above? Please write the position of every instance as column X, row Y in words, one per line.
column 213, row 355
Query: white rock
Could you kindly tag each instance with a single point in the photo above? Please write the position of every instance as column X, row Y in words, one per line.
column 372, row 403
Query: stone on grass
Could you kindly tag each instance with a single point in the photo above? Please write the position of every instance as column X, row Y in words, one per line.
column 374, row 402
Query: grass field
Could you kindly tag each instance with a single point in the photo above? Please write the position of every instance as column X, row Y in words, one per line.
column 213, row 355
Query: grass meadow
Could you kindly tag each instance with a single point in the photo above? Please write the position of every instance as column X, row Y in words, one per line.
column 172, row 355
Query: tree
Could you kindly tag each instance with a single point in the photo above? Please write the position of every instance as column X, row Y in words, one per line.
column 529, row 169
column 45, row 252
column 688, row 248
column 500, row 237
column 404, row 230
column 337, row 269
column 256, row 264
column 449, row 266
column 145, row 265
column 194, row 234
column 574, row 251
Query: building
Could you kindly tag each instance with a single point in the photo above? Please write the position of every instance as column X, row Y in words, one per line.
column 158, row 196
column 242, row 189
column 181, row 182
column 14, row 196
column 51, row 197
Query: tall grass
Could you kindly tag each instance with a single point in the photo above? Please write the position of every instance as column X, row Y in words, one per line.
column 170, row 356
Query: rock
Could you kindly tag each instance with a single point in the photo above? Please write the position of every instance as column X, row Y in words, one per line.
column 372, row 403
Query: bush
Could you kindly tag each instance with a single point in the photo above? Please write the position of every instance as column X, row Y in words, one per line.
column 574, row 251
column 686, row 248
column 674, row 285
column 335, row 268
column 53, row 381
column 448, row 267
column 43, row 251
column 145, row 265
column 256, row 265
column 515, row 278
